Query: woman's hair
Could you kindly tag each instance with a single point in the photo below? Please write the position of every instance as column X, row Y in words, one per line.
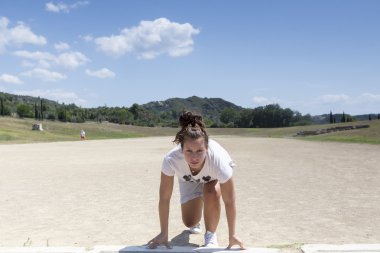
column 192, row 127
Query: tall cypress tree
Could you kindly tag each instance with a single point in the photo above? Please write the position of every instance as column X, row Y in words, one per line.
column 2, row 107
column 42, row 110
column 343, row 118
column 35, row 111
column 331, row 118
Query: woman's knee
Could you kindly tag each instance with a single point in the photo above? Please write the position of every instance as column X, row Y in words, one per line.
column 190, row 222
column 192, row 212
column 212, row 190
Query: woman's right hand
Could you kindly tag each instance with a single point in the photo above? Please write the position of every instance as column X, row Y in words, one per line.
column 160, row 239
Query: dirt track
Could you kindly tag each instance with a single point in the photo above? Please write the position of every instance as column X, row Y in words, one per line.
column 106, row 192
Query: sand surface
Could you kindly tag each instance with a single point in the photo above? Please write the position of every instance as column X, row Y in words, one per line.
column 106, row 192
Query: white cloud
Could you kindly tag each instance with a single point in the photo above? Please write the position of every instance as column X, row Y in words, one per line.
column 150, row 39
column 264, row 101
column 87, row 38
column 54, row 94
column 62, row 7
column 369, row 98
column 41, row 59
column 18, row 35
column 45, row 75
column 61, row 46
column 334, row 98
column 37, row 55
column 56, row 7
column 353, row 104
column 101, row 73
column 79, row 4
column 6, row 78
column 69, row 60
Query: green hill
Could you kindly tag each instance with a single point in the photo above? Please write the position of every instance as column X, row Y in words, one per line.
column 210, row 108
column 217, row 112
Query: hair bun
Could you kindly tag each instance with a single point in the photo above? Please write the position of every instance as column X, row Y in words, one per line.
column 188, row 118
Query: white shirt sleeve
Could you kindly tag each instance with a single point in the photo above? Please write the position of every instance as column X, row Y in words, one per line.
column 167, row 168
column 222, row 163
column 225, row 170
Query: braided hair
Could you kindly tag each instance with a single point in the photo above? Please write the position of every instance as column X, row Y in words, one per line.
column 192, row 127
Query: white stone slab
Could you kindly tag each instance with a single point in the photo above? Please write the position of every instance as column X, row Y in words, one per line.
column 42, row 250
column 343, row 248
column 175, row 249
column 130, row 249
column 224, row 250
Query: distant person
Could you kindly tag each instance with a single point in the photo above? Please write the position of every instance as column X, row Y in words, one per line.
column 82, row 134
column 204, row 170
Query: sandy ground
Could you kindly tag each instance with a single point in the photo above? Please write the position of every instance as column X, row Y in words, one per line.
column 106, row 192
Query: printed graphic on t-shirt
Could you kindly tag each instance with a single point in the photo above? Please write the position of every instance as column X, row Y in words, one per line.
column 189, row 178
column 206, row 179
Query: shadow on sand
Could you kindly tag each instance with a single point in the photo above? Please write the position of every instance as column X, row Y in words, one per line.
column 180, row 244
column 183, row 240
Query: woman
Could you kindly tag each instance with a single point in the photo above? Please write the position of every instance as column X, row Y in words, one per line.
column 204, row 171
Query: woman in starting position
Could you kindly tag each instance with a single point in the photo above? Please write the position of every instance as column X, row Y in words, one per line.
column 204, row 170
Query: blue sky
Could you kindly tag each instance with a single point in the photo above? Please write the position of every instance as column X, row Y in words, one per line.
column 310, row 56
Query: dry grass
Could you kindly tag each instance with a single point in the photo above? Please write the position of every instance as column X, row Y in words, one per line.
column 14, row 130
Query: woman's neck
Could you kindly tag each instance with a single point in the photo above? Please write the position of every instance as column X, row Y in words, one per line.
column 195, row 171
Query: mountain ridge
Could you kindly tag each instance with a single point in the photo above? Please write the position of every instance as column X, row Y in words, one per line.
column 164, row 113
column 207, row 107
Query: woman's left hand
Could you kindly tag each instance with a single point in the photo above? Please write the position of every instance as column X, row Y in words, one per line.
column 235, row 241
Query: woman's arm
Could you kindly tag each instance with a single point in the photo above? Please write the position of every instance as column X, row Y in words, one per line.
column 229, row 199
column 166, row 190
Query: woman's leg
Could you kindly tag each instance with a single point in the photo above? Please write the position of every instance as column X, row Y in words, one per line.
column 211, row 198
column 192, row 212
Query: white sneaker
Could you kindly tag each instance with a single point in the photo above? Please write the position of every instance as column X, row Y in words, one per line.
column 211, row 240
column 196, row 229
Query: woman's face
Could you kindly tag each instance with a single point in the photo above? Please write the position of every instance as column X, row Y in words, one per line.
column 195, row 152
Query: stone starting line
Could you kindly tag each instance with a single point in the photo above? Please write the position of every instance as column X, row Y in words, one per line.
column 307, row 248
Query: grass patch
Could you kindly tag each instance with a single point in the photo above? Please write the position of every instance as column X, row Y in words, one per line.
column 13, row 130
column 369, row 135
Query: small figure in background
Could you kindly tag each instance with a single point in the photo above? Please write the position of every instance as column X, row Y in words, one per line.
column 82, row 134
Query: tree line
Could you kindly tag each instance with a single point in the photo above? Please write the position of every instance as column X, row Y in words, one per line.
column 260, row 117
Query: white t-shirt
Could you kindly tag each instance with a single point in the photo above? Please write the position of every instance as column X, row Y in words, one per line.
column 218, row 165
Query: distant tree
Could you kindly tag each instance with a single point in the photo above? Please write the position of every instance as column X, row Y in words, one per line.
column 41, row 110
column 302, row 120
column 334, row 119
column 63, row 114
column 50, row 116
column 174, row 114
column 272, row 116
column 343, row 119
column 125, row 116
column 331, row 118
column 24, row 111
column 36, row 115
column 286, row 117
column 378, row 116
column 228, row 115
column 349, row 118
column 134, row 110
column 245, row 118
column 2, row 111
column 369, row 117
